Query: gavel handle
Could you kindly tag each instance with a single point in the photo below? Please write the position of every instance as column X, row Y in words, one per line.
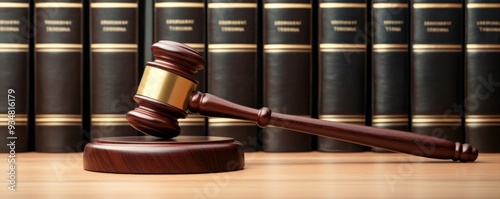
column 393, row 140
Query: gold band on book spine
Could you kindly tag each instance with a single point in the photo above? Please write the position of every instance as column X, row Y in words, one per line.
column 228, row 48
column 482, row 120
column 436, row 5
column 337, row 47
column 390, row 5
column 112, row 5
column 483, row 48
column 232, row 5
column 14, row 5
column 18, row 119
column 436, row 120
column 390, row 46
column 287, row 5
column 342, row 5
column 113, row 47
column 13, row 47
column 437, row 46
column 179, row 5
column 58, row 120
column 380, row 48
column 58, row 5
column 166, row 87
column 58, row 47
column 390, row 120
column 214, row 121
column 344, row 118
column 284, row 48
column 108, row 119
column 483, row 5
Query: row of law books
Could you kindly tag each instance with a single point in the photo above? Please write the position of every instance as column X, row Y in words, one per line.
column 423, row 66
column 71, row 64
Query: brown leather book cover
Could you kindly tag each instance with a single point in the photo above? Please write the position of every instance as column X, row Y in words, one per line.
column 287, row 69
column 390, row 65
column 184, row 21
column 232, row 65
column 113, row 66
column 437, row 68
column 58, row 76
column 14, row 75
column 482, row 76
column 342, row 67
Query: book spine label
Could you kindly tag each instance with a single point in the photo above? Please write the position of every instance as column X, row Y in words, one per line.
column 287, row 69
column 342, row 67
column 437, row 68
column 58, row 76
column 390, row 64
column 232, row 65
column 184, row 21
column 483, row 75
column 113, row 66
column 14, row 63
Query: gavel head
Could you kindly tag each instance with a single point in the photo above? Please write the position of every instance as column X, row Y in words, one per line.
column 165, row 89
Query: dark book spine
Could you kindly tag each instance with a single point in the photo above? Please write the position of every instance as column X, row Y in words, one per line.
column 287, row 69
column 14, row 81
column 436, row 73
column 342, row 67
column 232, row 60
column 390, row 64
column 482, row 102
column 58, row 76
column 184, row 21
column 113, row 66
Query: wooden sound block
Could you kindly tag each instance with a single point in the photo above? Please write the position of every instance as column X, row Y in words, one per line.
column 150, row 155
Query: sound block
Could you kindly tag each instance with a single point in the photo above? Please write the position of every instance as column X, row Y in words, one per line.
column 152, row 155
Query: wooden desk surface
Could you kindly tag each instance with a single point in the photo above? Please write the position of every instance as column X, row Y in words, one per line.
column 266, row 175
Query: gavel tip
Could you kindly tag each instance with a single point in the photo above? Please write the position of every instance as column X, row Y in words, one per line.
column 465, row 153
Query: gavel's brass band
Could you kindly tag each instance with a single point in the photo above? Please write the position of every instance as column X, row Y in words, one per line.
column 166, row 87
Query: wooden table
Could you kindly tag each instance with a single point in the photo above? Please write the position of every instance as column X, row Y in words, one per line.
column 266, row 175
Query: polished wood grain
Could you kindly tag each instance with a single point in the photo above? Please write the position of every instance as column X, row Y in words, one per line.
column 393, row 140
column 266, row 175
column 159, row 119
column 152, row 155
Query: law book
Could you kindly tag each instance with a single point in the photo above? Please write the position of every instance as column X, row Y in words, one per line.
column 342, row 67
column 113, row 66
column 184, row 21
column 482, row 76
column 437, row 68
column 58, row 76
column 232, row 65
column 390, row 64
column 14, row 75
column 287, row 69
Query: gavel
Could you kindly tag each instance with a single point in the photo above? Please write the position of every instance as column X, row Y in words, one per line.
column 167, row 92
